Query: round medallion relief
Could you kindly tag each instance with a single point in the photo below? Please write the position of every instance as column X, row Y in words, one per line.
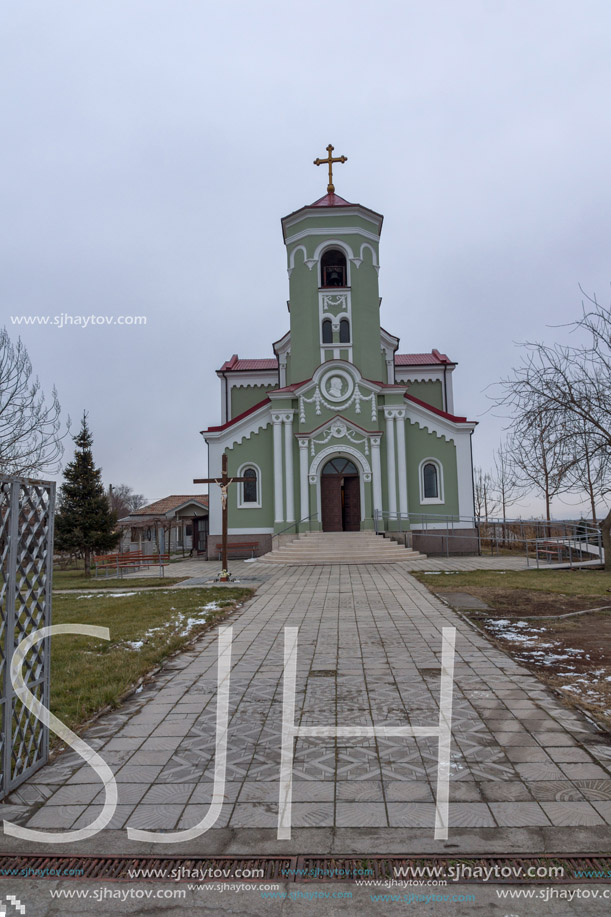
column 337, row 385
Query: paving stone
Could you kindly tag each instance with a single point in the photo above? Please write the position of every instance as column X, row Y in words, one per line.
column 595, row 789
column 518, row 814
column 470, row 815
column 156, row 817
column 120, row 819
column 360, row 790
column 73, row 794
column 411, row 815
column 584, row 771
column 168, row 793
column 571, row 813
column 361, row 815
column 604, row 809
column 526, row 753
column 505, row 791
column 539, row 771
column 55, row 817
column 556, row 790
column 194, row 815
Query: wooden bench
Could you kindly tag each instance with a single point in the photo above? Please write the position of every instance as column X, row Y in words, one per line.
column 239, row 546
column 131, row 560
column 551, row 551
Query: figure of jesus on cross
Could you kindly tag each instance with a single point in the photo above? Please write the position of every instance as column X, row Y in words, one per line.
column 223, row 482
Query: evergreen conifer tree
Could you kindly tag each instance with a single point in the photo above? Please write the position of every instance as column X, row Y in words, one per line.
column 84, row 521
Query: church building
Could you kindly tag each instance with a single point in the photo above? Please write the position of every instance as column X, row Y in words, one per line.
column 339, row 431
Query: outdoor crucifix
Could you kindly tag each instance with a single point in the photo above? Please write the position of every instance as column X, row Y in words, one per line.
column 330, row 160
column 223, row 482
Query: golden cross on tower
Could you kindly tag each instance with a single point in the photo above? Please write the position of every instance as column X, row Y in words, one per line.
column 330, row 159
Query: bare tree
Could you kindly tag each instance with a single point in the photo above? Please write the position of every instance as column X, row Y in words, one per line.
column 540, row 459
column 485, row 502
column 30, row 438
column 591, row 472
column 123, row 500
column 505, row 483
column 565, row 392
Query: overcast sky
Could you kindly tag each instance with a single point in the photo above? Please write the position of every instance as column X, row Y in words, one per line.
column 151, row 147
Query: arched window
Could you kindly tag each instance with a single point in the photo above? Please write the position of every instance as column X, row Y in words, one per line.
column 249, row 491
column 340, row 466
column 430, row 481
column 327, row 331
column 250, row 485
column 344, row 331
column 333, row 269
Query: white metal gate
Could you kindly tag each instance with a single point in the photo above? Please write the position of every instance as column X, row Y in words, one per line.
column 26, row 568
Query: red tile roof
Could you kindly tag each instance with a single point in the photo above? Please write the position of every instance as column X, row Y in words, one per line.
column 421, row 359
column 237, row 365
column 169, row 503
column 441, row 413
column 331, row 200
column 241, row 416
column 290, row 388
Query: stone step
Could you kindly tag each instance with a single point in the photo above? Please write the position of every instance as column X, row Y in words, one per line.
column 326, row 559
column 339, row 548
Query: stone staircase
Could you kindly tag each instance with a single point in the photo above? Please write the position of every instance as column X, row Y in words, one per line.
column 339, row 548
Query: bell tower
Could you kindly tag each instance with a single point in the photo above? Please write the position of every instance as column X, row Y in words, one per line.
column 332, row 258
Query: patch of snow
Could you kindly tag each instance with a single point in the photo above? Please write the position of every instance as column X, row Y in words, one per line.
column 103, row 595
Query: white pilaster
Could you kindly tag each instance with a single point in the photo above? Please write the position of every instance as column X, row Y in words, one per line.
column 464, row 473
column 278, row 480
column 401, row 462
column 304, row 490
column 376, row 470
column 282, row 368
column 288, row 467
column 391, row 469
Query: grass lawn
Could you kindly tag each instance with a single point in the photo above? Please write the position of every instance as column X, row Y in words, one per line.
column 76, row 579
column 88, row 674
column 567, row 582
column 572, row 654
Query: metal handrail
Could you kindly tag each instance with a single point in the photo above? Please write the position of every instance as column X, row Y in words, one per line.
column 294, row 525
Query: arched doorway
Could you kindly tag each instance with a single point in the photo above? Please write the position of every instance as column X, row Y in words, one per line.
column 340, row 496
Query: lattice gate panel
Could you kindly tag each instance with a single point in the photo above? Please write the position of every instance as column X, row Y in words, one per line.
column 26, row 565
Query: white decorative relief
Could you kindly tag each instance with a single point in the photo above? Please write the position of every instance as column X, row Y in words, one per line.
column 334, row 304
column 356, row 398
column 339, row 430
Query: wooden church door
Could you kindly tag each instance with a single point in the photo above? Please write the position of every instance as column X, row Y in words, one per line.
column 352, row 504
column 331, row 502
column 340, row 497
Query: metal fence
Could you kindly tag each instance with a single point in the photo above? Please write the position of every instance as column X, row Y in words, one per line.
column 26, row 568
column 543, row 543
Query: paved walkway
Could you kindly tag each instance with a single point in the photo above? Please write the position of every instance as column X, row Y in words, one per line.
column 527, row 773
column 205, row 570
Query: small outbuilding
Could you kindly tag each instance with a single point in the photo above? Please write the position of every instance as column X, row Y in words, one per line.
column 171, row 525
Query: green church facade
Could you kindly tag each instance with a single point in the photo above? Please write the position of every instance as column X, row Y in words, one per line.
column 338, row 431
